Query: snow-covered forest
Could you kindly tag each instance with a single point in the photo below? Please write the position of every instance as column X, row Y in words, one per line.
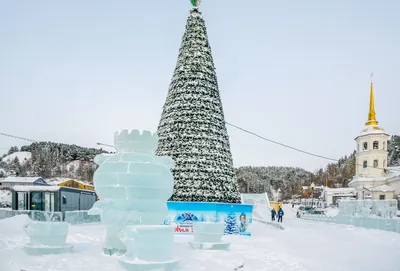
column 48, row 159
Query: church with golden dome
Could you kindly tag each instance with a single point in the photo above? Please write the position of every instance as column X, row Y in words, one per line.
column 374, row 179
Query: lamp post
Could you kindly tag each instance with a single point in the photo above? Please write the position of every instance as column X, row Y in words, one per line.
column 279, row 193
column 312, row 194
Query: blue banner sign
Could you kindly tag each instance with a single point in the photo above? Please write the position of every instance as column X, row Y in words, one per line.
column 237, row 217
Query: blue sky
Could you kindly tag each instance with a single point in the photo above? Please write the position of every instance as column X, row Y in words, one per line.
column 293, row 71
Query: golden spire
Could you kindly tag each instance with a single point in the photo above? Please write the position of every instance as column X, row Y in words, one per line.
column 371, row 115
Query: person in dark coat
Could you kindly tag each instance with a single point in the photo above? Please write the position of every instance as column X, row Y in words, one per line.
column 273, row 213
column 280, row 214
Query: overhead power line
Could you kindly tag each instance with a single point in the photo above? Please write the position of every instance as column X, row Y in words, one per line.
column 17, row 137
column 290, row 147
column 280, row 144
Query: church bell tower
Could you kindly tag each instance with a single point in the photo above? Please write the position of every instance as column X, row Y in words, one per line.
column 371, row 156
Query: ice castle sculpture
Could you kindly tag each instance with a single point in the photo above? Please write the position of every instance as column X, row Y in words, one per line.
column 133, row 186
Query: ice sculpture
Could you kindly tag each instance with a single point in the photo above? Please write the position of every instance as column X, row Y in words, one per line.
column 134, row 186
column 367, row 208
column 207, row 235
column 47, row 237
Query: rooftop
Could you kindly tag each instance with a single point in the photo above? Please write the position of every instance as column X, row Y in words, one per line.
column 21, row 179
column 341, row 189
column 368, row 179
column 372, row 130
column 27, row 188
column 381, row 188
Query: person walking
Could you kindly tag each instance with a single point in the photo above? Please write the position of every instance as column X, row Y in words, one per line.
column 280, row 214
column 273, row 213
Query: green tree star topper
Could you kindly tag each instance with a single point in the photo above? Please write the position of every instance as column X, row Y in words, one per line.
column 195, row 3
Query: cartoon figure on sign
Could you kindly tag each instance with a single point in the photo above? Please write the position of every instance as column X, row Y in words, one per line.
column 187, row 217
column 243, row 224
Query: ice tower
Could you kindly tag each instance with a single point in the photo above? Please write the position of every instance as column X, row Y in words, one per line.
column 133, row 186
column 192, row 127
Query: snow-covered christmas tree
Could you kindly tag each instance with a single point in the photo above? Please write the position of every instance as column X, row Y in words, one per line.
column 192, row 127
column 231, row 225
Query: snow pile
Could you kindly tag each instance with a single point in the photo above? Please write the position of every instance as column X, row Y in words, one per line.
column 23, row 156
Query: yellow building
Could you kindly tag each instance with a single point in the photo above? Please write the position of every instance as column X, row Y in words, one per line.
column 76, row 184
column 275, row 205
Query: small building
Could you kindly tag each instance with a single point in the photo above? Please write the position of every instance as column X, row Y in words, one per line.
column 52, row 198
column 380, row 192
column 332, row 195
column 10, row 182
column 76, row 184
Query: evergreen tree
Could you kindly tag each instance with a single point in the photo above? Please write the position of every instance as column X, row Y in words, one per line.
column 13, row 150
column 394, row 151
column 16, row 165
column 231, row 225
column 192, row 127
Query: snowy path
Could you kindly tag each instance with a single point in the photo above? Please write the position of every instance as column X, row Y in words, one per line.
column 303, row 245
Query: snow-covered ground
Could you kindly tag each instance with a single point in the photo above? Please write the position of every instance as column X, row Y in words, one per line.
column 303, row 245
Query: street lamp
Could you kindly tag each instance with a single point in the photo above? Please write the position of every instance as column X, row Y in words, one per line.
column 312, row 194
column 279, row 193
column 106, row 145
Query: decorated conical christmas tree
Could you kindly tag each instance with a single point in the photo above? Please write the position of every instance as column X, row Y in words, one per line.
column 192, row 127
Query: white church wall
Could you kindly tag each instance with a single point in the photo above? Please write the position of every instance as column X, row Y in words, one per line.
column 370, row 155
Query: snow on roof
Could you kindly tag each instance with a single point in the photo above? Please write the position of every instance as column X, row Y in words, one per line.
column 341, row 189
column 21, row 179
column 59, row 180
column 315, row 187
column 22, row 155
column 368, row 179
column 372, row 130
column 393, row 171
column 381, row 188
column 27, row 188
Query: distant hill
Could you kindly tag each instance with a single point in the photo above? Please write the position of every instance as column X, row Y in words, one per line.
column 49, row 159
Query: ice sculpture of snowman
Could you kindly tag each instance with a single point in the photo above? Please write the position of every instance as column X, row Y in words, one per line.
column 133, row 186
